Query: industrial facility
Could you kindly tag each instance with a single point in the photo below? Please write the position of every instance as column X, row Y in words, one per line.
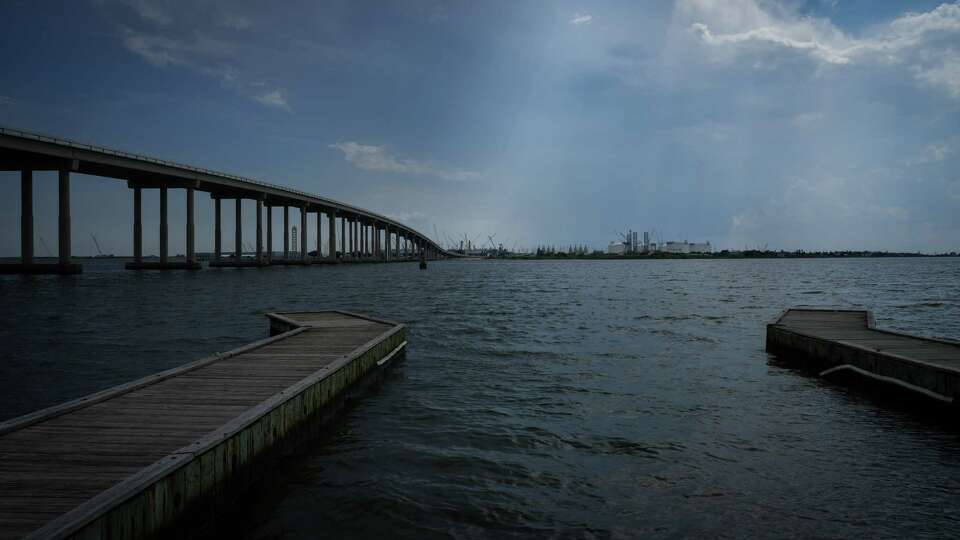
column 630, row 244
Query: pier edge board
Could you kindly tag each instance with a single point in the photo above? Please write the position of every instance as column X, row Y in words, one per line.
column 158, row 496
column 826, row 355
column 54, row 411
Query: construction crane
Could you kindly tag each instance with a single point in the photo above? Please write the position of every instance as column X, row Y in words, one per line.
column 46, row 247
column 97, row 245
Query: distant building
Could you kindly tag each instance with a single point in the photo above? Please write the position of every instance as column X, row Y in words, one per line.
column 675, row 247
column 617, row 248
column 632, row 243
column 701, row 247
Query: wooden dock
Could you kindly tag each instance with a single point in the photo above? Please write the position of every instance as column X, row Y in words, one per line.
column 846, row 341
column 159, row 456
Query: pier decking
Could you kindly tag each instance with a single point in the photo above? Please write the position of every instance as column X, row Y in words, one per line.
column 152, row 455
column 835, row 341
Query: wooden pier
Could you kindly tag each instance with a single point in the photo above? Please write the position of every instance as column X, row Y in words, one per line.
column 846, row 341
column 161, row 456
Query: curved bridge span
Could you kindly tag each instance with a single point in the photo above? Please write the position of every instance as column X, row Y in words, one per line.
column 352, row 234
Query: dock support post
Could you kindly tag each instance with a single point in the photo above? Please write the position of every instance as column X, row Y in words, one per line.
column 64, row 218
column 286, row 232
column 238, row 234
column 332, row 234
column 269, row 233
column 217, row 248
column 26, row 217
column 259, row 230
column 303, row 233
column 191, row 255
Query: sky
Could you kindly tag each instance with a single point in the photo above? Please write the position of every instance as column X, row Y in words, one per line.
column 817, row 124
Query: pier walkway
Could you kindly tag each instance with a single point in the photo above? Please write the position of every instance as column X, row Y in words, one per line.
column 146, row 457
column 835, row 341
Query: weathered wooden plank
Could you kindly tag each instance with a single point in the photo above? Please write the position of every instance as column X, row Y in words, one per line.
column 849, row 342
column 71, row 461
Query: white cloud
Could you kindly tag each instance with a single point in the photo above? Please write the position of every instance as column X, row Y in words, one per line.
column 409, row 217
column 209, row 56
column 150, row 11
column 199, row 52
column 274, row 99
column 944, row 75
column 236, row 22
column 936, row 152
column 7, row 100
column 581, row 18
column 939, row 152
column 915, row 40
column 807, row 119
column 801, row 37
column 378, row 158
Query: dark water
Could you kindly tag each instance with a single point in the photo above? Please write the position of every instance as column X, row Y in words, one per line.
column 589, row 399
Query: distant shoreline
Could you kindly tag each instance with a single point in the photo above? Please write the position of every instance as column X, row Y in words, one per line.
column 734, row 255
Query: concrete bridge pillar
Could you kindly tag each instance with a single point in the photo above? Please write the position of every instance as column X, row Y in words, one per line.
column 332, row 234
column 259, row 230
column 217, row 246
column 238, row 233
column 26, row 217
column 303, row 233
column 137, row 225
column 353, row 238
column 191, row 252
column 163, row 225
column 319, row 235
column 269, row 233
column 286, row 232
column 64, row 218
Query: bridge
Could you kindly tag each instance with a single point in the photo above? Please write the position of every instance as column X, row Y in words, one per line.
column 364, row 236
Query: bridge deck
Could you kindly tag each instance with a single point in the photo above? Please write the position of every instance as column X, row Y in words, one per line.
column 840, row 339
column 55, row 461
